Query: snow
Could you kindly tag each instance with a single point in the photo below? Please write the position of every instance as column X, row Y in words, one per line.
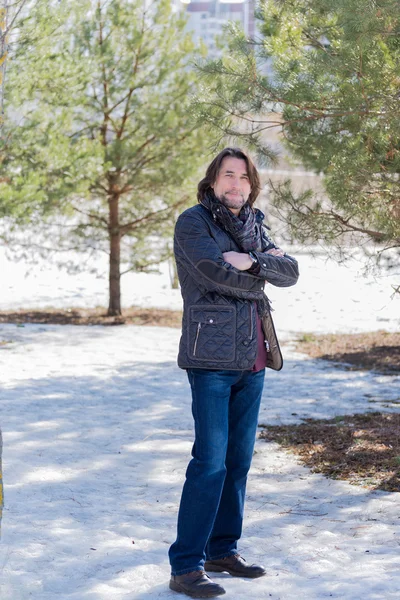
column 97, row 433
column 329, row 297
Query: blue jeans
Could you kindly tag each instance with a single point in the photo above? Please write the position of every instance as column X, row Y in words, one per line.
column 225, row 409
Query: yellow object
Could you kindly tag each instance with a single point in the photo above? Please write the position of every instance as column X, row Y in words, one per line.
column 1, row 480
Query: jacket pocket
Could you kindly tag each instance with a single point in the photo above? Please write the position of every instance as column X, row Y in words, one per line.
column 212, row 333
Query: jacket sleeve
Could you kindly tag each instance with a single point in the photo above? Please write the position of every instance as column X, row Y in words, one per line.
column 199, row 254
column 279, row 271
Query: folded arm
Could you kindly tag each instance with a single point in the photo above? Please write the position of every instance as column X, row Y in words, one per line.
column 277, row 268
column 272, row 265
column 199, row 254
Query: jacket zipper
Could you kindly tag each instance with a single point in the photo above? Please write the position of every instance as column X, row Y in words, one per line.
column 197, row 337
column 251, row 321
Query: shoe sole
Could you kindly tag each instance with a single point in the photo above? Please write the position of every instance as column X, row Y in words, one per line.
column 177, row 588
column 215, row 569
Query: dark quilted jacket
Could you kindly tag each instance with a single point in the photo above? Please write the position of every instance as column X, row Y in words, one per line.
column 219, row 320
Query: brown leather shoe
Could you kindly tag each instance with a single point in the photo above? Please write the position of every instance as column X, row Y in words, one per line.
column 195, row 584
column 235, row 565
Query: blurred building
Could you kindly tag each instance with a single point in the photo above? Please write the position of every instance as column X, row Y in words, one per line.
column 206, row 19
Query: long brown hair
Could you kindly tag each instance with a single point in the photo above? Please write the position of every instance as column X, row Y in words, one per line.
column 215, row 166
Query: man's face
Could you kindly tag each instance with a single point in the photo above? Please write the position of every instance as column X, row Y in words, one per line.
column 232, row 185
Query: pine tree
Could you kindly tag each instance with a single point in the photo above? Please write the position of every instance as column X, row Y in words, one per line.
column 3, row 58
column 8, row 19
column 327, row 76
column 107, row 152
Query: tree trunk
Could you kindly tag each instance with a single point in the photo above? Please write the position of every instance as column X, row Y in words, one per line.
column 173, row 273
column 3, row 57
column 114, row 305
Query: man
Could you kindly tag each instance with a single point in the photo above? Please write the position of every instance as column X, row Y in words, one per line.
column 224, row 258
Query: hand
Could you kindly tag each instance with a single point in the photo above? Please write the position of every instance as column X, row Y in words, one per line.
column 276, row 252
column 239, row 260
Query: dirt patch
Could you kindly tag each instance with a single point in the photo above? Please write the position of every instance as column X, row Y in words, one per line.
column 363, row 449
column 95, row 316
column 378, row 350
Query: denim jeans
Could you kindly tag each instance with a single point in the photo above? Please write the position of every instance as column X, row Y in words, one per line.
column 225, row 406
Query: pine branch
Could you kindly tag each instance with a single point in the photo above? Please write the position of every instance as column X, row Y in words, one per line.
column 105, row 83
column 20, row 5
column 124, row 229
column 378, row 235
column 91, row 216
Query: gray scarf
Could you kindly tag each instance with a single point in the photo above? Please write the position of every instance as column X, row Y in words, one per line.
column 245, row 229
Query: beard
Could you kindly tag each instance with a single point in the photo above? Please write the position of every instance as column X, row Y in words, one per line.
column 236, row 202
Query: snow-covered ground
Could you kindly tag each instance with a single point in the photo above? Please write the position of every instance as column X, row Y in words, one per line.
column 329, row 297
column 97, row 434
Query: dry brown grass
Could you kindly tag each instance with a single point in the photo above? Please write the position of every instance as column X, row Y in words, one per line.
column 363, row 449
column 378, row 350
column 94, row 316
